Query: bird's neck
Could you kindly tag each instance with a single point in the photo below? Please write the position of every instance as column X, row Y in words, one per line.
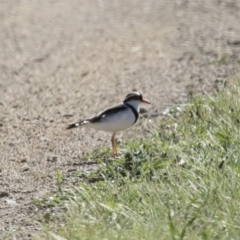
column 135, row 104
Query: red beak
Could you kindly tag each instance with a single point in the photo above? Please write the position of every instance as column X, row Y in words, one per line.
column 145, row 101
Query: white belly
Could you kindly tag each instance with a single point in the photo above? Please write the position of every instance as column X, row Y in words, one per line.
column 115, row 122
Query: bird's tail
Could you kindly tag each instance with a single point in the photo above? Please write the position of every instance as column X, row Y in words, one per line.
column 77, row 124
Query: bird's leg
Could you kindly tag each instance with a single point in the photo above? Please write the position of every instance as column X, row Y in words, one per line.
column 114, row 146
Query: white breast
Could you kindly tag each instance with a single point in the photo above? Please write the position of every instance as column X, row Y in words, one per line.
column 115, row 122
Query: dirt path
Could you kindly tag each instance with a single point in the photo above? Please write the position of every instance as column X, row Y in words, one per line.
column 62, row 60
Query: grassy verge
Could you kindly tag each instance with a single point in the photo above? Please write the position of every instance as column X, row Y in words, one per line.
column 182, row 182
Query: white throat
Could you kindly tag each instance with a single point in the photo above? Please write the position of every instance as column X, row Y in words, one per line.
column 134, row 103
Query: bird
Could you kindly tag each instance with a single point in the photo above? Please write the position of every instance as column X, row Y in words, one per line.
column 116, row 118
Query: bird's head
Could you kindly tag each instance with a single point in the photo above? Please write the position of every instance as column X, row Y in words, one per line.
column 134, row 99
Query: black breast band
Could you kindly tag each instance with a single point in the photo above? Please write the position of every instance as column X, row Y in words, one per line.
column 135, row 112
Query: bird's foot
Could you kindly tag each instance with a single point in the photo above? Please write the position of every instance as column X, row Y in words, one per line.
column 115, row 155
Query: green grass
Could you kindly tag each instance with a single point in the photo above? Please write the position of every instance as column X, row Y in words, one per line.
column 181, row 182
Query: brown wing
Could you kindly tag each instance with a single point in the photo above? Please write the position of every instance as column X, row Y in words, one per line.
column 108, row 112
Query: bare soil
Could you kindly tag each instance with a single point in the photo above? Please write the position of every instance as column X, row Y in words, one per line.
column 65, row 60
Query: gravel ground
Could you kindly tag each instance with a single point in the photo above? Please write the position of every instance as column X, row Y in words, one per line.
column 65, row 60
